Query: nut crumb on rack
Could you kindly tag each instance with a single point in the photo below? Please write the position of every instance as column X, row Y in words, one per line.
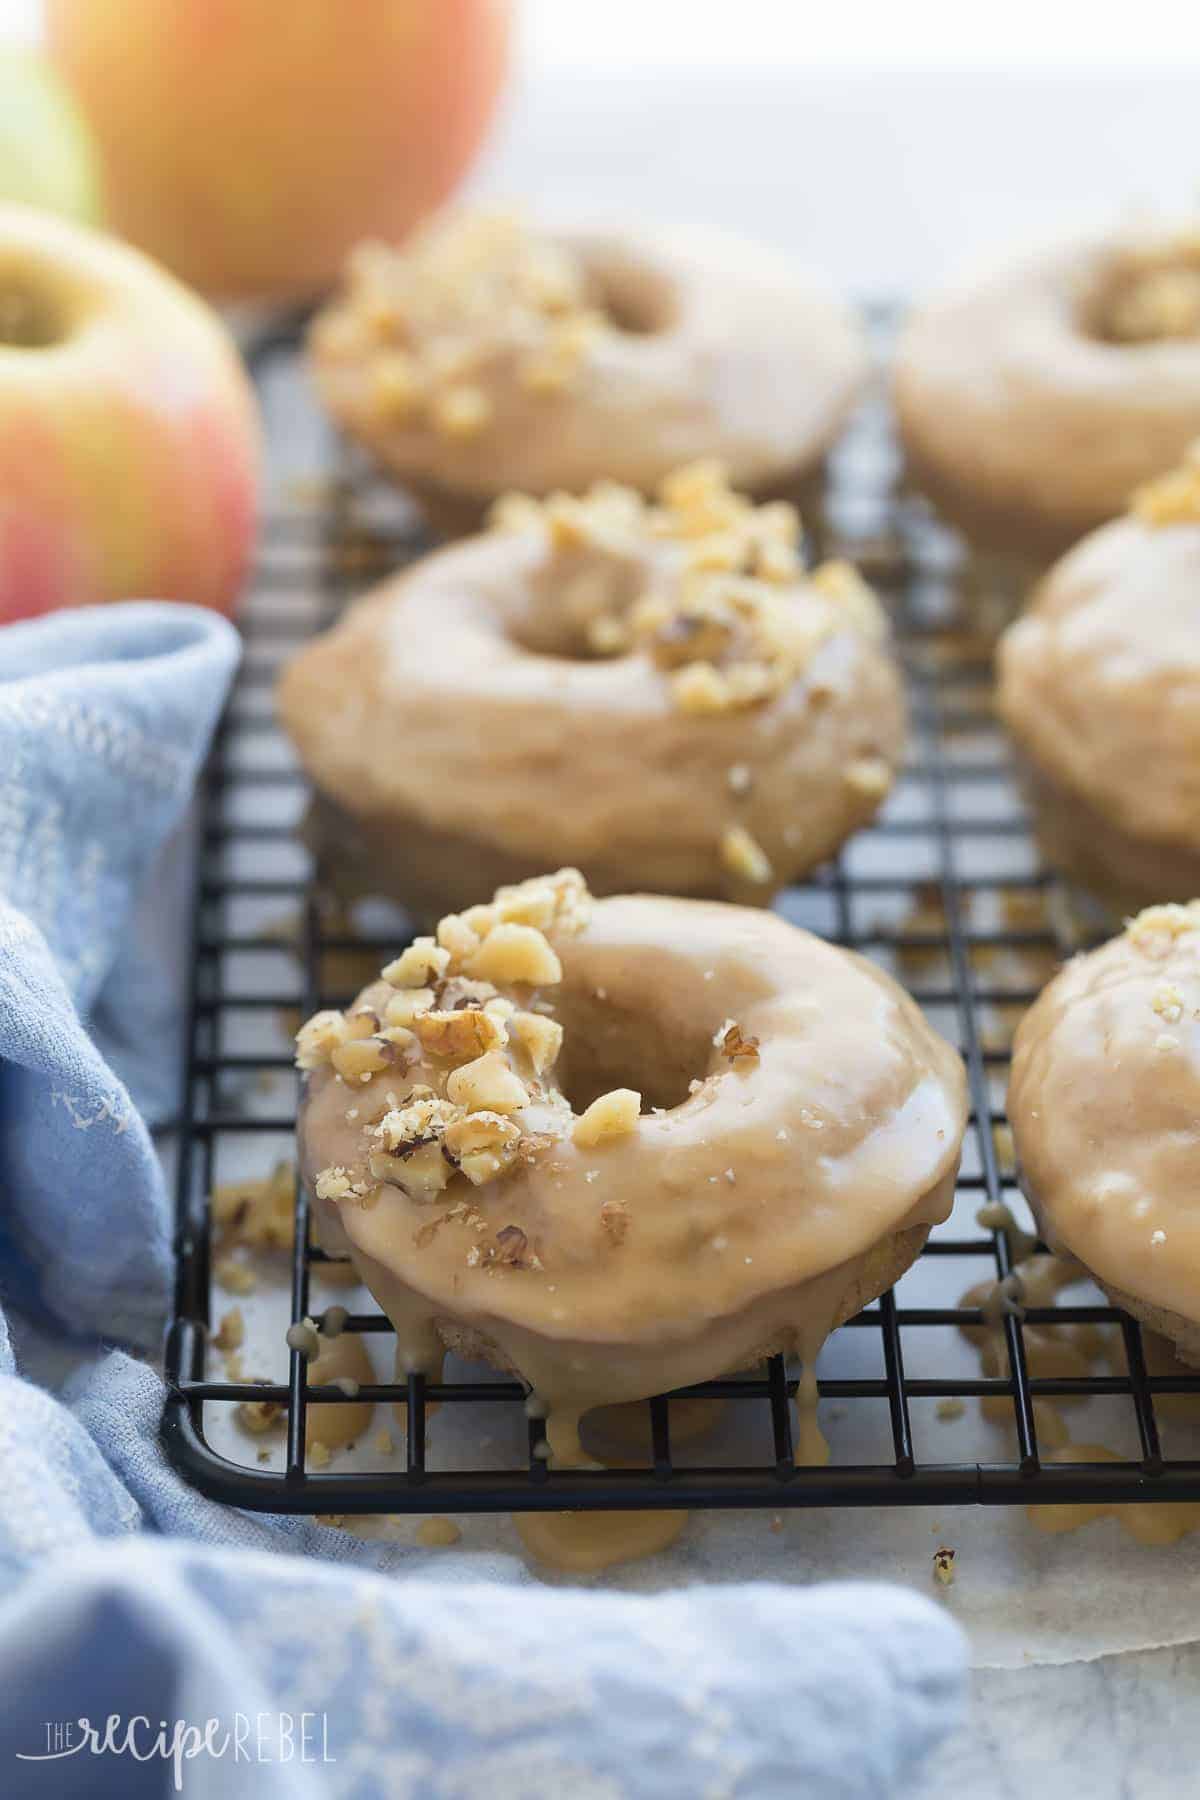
column 952, row 1407
column 943, row 1565
column 258, row 1214
column 258, row 1416
column 231, row 1332
column 235, row 1276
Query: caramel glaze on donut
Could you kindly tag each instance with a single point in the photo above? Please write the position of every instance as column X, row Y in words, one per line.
column 1105, row 1102
column 1099, row 684
column 660, row 694
column 1032, row 401
column 485, row 357
column 696, row 1136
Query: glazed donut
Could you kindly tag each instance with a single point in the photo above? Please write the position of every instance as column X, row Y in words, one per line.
column 1099, row 685
column 658, row 693
column 1104, row 1103
column 483, row 358
column 1032, row 402
column 625, row 1145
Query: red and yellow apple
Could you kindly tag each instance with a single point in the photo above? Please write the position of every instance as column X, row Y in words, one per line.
column 251, row 146
column 128, row 432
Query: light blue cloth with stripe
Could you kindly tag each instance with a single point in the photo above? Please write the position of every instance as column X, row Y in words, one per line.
column 387, row 1671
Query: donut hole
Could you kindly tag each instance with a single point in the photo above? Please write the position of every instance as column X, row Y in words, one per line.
column 1148, row 298
column 30, row 317
column 565, row 604
column 610, row 1043
column 636, row 300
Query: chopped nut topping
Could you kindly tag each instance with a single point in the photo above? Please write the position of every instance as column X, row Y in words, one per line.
column 745, row 858
column 488, row 1084
column 364, row 1057
column 1153, row 291
column 539, row 1037
column 1174, row 498
column 482, row 1144
column 869, row 775
column 318, row 1038
column 462, row 290
column 735, row 621
column 404, row 1007
column 511, row 1247
column 613, row 1115
column 460, row 412
column 615, row 1220
column 733, row 1043
column 518, row 955
column 1156, row 928
column 423, row 962
column 1168, row 1002
column 460, row 1036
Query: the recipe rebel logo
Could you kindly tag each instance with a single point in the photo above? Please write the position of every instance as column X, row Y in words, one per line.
column 265, row 1737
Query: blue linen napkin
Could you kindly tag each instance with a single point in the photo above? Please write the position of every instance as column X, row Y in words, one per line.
column 126, row 1594
column 104, row 717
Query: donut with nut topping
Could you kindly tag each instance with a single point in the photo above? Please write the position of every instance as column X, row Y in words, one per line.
column 486, row 356
column 659, row 693
column 627, row 1144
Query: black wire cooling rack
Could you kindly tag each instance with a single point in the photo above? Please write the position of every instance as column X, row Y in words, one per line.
column 945, row 889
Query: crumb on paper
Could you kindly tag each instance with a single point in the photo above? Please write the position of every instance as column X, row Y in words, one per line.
column 231, row 1332
column 235, row 1276
column 257, row 1416
column 951, row 1408
column 319, row 1454
column 943, row 1565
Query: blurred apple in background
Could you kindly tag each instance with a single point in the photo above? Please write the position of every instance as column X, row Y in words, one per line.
column 249, row 146
column 46, row 157
column 128, row 434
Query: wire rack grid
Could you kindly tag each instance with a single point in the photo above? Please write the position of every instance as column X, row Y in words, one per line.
column 945, row 889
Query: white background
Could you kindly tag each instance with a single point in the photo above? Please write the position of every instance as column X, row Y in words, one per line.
column 884, row 142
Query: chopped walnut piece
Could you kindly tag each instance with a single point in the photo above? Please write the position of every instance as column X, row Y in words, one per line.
column 516, row 954
column 615, row 1220
column 744, row 857
column 423, row 962
column 841, row 582
column 231, row 1333
column 364, row 1057
column 318, row 1038
column 460, row 1036
column 420, row 1171
column 614, row 1114
column 943, row 1565
column 1173, row 498
column 539, row 1037
column 395, row 387
column 423, row 1118
column 1155, row 928
column 460, row 412
column 456, row 936
column 340, row 1184
column 237, row 1277
column 488, row 1085
column 257, row 1416
column 259, row 1214
column 512, row 1247
column 404, row 1007
column 869, row 775
column 733, row 1043
column 1168, row 1002
column 483, row 1145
